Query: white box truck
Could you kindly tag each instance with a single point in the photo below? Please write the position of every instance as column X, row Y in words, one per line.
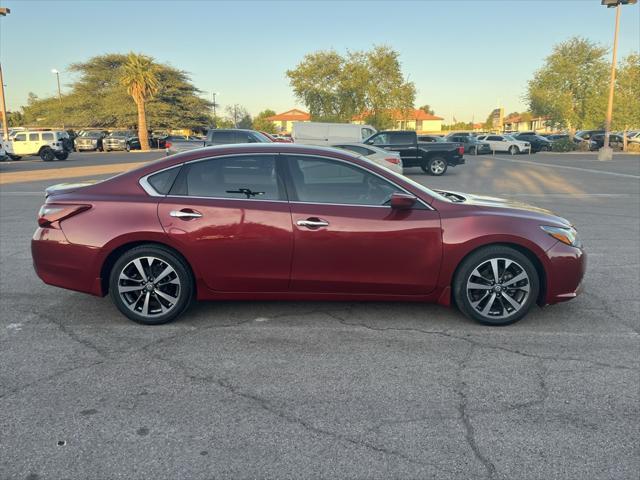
column 326, row 134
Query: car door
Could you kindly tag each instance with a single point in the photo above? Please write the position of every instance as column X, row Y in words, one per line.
column 348, row 240
column 20, row 145
column 497, row 143
column 232, row 220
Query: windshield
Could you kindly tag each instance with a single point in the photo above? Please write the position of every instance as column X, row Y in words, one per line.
column 91, row 134
column 509, row 137
column 119, row 134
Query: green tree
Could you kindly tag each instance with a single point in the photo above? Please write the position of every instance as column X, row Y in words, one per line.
column 570, row 88
column 237, row 113
column 245, row 122
column 336, row 88
column 98, row 99
column 427, row 109
column 261, row 123
column 626, row 102
column 140, row 76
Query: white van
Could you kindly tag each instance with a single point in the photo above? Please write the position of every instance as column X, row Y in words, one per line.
column 317, row 133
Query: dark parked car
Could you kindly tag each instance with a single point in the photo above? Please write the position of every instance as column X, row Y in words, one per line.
column 471, row 143
column 430, row 138
column 538, row 143
column 432, row 157
column 277, row 221
column 121, row 140
column 219, row 136
column 615, row 141
column 90, row 140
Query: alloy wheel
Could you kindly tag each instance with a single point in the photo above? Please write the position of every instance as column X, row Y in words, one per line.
column 149, row 286
column 498, row 288
column 437, row 166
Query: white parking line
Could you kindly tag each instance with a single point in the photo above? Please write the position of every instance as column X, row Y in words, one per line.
column 566, row 167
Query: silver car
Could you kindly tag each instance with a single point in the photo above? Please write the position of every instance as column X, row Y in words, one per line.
column 387, row 159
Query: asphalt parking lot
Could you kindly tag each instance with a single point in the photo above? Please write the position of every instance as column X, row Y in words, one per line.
column 331, row 390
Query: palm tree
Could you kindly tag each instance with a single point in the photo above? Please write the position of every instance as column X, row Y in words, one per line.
column 140, row 76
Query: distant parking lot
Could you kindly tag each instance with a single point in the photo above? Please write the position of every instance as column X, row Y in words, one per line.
column 330, row 390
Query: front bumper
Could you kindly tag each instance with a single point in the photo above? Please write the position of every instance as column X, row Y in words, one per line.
column 566, row 269
column 115, row 145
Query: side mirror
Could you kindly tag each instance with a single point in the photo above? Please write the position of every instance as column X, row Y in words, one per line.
column 402, row 201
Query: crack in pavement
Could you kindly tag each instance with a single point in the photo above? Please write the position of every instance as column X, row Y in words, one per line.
column 479, row 344
column 265, row 405
column 465, row 419
column 48, row 377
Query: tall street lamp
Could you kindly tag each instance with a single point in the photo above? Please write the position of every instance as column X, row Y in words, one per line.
column 57, row 74
column 606, row 152
column 3, row 107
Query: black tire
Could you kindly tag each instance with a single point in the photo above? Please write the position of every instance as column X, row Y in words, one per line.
column 14, row 157
column 62, row 156
column 436, row 166
column 464, row 298
column 513, row 150
column 127, row 147
column 185, row 292
column 47, row 155
column 107, row 150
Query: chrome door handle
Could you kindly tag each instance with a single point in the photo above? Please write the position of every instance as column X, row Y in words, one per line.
column 185, row 214
column 312, row 223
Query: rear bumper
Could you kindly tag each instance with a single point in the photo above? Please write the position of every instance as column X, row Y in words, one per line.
column 454, row 161
column 565, row 273
column 62, row 264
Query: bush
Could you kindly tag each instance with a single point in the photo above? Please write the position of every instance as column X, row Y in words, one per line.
column 564, row 145
column 633, row 147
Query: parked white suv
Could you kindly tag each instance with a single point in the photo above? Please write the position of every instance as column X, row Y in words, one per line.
column 47, row 144
column 505, row 143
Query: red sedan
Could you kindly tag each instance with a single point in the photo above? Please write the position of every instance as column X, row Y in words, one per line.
column 281, row 221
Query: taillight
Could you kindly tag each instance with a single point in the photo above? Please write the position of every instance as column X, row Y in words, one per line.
column 461, row 150
column 167, row 145
column 394, row 160
column 52, row 212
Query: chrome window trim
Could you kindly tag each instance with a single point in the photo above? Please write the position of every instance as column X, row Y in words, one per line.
column 146, row 186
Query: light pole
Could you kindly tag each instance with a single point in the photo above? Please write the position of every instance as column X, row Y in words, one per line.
column 606, row 152
column 3, row 107
column 57, row 74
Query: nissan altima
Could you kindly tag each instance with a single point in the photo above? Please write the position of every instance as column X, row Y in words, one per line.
column 282, row 221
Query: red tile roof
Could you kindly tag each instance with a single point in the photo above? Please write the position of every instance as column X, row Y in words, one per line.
column 291, row 116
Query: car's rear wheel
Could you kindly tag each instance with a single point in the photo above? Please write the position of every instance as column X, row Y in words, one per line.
column 436, row 166
column 151, row 285
column 62, row 155
column 513, row 150
column 47, row 155
column 496, row 285
column 128, row 147
column 14, row 157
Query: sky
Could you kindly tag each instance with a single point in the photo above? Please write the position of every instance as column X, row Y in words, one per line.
column 465, row 56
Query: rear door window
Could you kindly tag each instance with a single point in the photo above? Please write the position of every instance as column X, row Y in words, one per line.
column 251, row 177
column 402, row 138
column 47, row 137
column 223, row 138
column 34, row 137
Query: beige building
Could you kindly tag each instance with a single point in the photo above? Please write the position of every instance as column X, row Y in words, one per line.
column 526, row 123
column 418, row 120
column 284, row 121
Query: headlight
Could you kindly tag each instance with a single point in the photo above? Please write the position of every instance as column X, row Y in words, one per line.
column 94, row 141
column 568, row 235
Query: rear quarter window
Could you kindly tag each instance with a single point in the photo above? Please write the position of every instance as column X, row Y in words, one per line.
column 163, row 181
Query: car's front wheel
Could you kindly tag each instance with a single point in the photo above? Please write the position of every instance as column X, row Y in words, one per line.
column 62, row 155
column 513, row 150
column 151, row 285
column 47, row 155
column 496, row 285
